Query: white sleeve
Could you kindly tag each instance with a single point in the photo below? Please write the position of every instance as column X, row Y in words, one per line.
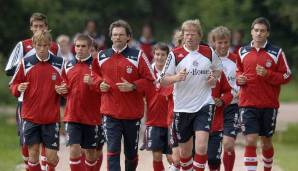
column 59, row 53
column 15, row 57
column 216, row 64
column 170, row 67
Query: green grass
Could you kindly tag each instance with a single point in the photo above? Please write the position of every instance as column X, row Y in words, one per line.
column 289, row 92
column 286, row 144
column 9, row 145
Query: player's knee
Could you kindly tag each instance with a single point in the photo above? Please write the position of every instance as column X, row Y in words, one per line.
column 157, row 155
column 34, row 153
column 228, row 146
column 91, row 155
column 53, row 159
column 75, row 151
column 201, row 148
column 251, row 140
column 184, row 153
column 214, row 163
column 266, row 143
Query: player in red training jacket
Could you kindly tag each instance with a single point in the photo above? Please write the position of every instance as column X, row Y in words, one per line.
column 261, row 70
column 40, row 109
column 82, row 112
column 24, row 48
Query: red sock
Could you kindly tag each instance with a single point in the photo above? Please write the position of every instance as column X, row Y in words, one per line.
column 250, row 158
column 75, row 164
column 268, row 158
column 83, row 158
column 200, row 162
column 34, row 166
column 90, row 166
column 98, row 164
column 186, row 163
column 43, row 158
column 158, row 166
column 229, row 160
column 51, row 167
column 25, row 154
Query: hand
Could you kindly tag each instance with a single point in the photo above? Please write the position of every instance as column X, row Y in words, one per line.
column 181, row 76
column 261, row 71
column 218, row 102
column 87, row 79
column 125, row 86
column 61, row 89
column 104, row 87
column 241, row 79
column 23, row 86
column 211, row 80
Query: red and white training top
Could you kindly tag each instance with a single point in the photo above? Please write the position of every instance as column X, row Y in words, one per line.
column 262, row 92
column 83, row 100
column 24, row 49
column 40, row 100
column 222, row 90
column 229, row 69
column 193, row 93
column 131, row 65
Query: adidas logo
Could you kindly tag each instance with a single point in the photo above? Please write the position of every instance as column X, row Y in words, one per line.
column 28, row 64
column 93, row 145
column 103, row 56
column 54, row 144
column 207, row 127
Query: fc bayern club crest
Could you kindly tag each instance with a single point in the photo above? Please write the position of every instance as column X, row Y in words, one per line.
column 268, row 63
column 129, row 70
column 54, row 77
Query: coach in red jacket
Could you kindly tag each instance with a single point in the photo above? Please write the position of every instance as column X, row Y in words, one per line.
column 261, row 69
column 121, row 74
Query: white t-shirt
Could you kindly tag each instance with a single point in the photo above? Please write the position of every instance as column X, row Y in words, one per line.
column 229, row 68
column 195, row 92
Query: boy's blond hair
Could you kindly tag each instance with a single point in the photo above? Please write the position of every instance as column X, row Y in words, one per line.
column 218, row 33
column 195, row 23
column 42, row 36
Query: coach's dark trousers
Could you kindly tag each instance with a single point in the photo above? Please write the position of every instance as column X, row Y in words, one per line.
column 114, row 129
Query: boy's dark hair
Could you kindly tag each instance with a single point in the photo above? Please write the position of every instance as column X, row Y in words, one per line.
column 261, row 20
column 162, row 46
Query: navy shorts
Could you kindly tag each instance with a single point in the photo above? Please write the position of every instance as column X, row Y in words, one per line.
column 231, row 120
column 173, row 141
column 187, row 123
column 258, row 121
column 19, row 122
column 88, row 136
column 156, row 139
column 215, row 148
column 47, row 134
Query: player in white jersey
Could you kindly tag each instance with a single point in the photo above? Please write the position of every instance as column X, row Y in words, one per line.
column 219, row 39
column 193, row 69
